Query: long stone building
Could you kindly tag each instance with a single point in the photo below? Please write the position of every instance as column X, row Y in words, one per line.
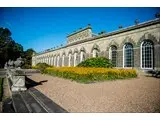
column 136, row 46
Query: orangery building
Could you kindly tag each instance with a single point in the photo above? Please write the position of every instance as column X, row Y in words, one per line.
column 136, row 46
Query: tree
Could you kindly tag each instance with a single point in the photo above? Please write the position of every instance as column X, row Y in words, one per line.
column 9, row 49
column 136, row 22
column 27, row 57
column 120, row 27
column 157, row 15
column 102, row 32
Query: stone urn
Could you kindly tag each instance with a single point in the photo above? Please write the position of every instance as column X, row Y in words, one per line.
column 18, row 63
column 6, row 65
column 10, row 63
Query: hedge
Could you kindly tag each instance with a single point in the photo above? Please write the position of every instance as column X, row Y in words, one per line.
column 87, row 75
column 41, row 66
column 101, row 62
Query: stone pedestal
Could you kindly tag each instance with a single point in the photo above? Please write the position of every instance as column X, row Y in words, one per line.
column 18, row 83
column 17, row 78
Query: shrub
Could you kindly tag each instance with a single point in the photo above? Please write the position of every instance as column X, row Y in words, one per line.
column 41, row 66
column 26, row 66
column 34, row 67
column 101, row 62
column 1, row 88
column 86, row 75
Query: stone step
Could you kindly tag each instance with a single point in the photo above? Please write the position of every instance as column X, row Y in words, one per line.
column 47, row 103
column 18, row 103
column 8, row 106
column 33, row 105
column 33, row 101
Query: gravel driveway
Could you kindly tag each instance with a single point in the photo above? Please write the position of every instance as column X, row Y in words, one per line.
column 140, row 94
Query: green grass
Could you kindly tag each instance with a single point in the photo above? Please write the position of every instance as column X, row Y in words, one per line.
column 1, row 88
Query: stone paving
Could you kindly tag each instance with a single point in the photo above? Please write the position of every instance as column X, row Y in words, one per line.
column 140, row 94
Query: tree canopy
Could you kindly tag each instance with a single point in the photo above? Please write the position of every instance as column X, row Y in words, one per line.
column 10, row 50
column 28, row 58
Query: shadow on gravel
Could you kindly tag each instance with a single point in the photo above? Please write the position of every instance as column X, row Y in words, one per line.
column 30, row 83
column 158, row 77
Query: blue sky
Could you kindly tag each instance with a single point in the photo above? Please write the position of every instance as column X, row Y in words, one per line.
column 43, row 28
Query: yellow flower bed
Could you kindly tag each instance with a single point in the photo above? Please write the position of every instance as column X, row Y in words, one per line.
column 86, row 75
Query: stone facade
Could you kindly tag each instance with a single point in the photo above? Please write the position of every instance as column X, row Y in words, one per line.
column 89, row 45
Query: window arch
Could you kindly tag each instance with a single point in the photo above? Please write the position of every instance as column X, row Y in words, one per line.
column 128, row 55
column 75, row 58
column 41, row 59
column 95, row 53
column 58, row 61
column 82, row 56
column 55, row 60
column 113, row 55
column 147, row 54
column 52, row 60
column 46, row 59
column 69, row 59
column 49, row 60
column 63, row 56
column 95, row 50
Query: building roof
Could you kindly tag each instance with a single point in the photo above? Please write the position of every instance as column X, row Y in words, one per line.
column 144, row 24
column 122, row 30
column 80, row 30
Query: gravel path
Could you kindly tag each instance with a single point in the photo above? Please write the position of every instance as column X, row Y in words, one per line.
column 135, row 95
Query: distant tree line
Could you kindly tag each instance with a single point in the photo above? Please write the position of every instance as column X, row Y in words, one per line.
column 10, row 50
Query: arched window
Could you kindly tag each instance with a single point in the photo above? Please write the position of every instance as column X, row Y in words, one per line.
column 95, row 50
column 82, row 56
column 69, row 60
column 49, row 60
column 50, row 63
column 75, row 58
column 95, row 53
column 58, row 61
column 63, row 60
column 128, row 55
column 41, row 59
column 147, row 54
column 46, row 60
column 113, row 55
column 54, row 60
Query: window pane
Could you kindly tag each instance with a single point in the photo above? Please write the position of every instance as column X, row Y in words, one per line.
column 147, row 53
column 114, row 55
column 128, row 55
